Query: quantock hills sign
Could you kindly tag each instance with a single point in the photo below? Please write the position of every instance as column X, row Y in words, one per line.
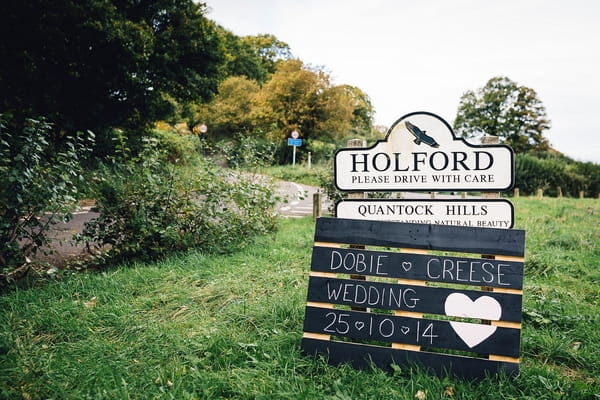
column 421, row 152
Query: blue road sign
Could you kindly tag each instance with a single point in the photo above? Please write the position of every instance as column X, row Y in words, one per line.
column 294, row 142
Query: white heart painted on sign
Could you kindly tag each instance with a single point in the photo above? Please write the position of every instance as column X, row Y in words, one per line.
column 405, row 329
column 485, row 307
column 472, row 334
column 407, row 265
column 359, row 325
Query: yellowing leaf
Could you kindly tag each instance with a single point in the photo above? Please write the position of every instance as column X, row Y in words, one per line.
column 91, row 303
column 449, row 391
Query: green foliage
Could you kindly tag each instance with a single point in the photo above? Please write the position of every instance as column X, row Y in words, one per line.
column 104, row 64
column 38, row 187
column 532, row 173
column 294, row 97
column 321, row 151
column 231, row 111
column 270, row 50
column 591, row 173
column 505, row 109
column 177, row 148
column 247, row 152
column 254, row 57
column 149, row 208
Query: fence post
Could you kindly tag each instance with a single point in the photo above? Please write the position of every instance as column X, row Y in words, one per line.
column 317, row 205
column 540, row 193
column 581, row 194
column 357, row 195
column 558, row 192
column 516, row 194
column 490, row 139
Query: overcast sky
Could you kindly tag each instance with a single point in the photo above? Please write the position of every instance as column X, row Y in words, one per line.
column 412, row 55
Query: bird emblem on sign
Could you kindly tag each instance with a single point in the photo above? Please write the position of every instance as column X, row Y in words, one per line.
column 420, row 136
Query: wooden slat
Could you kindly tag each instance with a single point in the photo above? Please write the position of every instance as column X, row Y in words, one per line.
column 362, row 356
column 328, row 244
column 432, row 237
column 509, row 291
column 419, row 299
column 414, row 332
column 318, row 305
column 495, row 357
column 323, row 274
column 505, row 324
column 316, row 336
column 402, row 346
column 413, row 251
column 424, row 267
column 509, row 258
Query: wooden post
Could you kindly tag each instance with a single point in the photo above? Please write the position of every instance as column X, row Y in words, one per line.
column 487, row 140
column 581, row 194
column 516, row 192
column 357, row 195
column 463, row 195
column 558, row 192
column 317, row 205
column 540, row 193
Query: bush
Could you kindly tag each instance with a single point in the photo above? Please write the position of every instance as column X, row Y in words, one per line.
column 149, row 208
column 38, row 188
column 532, row 173
column 248, row 152
column 322, row 152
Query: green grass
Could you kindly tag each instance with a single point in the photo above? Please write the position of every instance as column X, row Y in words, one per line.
column 201, row 326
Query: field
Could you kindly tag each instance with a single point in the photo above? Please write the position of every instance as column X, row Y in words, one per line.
column 198, row 326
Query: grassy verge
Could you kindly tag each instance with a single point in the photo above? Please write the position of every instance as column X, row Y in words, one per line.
column 203, row 327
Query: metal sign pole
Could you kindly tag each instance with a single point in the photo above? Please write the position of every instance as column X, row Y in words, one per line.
column 294, row 156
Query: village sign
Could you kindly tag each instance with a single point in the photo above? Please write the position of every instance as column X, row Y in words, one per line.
column 420, row 152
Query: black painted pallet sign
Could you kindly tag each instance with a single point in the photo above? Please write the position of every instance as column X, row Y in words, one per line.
column 450, row 314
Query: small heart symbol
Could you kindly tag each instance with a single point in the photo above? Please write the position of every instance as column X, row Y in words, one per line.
column 405, row 329
column 407, row 265
column 359, row 325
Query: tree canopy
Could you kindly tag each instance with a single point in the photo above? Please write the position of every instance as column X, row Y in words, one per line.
column 505, row 109
column 294, row 97
column 98, row 64
column 104, row 64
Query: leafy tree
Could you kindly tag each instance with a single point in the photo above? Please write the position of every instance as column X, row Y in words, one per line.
column 255, row 57
column 100, row 64
column 363, row 112
column 299, row 98
column 232, row 109
column 242, row 58
column 270, row 50
column 505, row 109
